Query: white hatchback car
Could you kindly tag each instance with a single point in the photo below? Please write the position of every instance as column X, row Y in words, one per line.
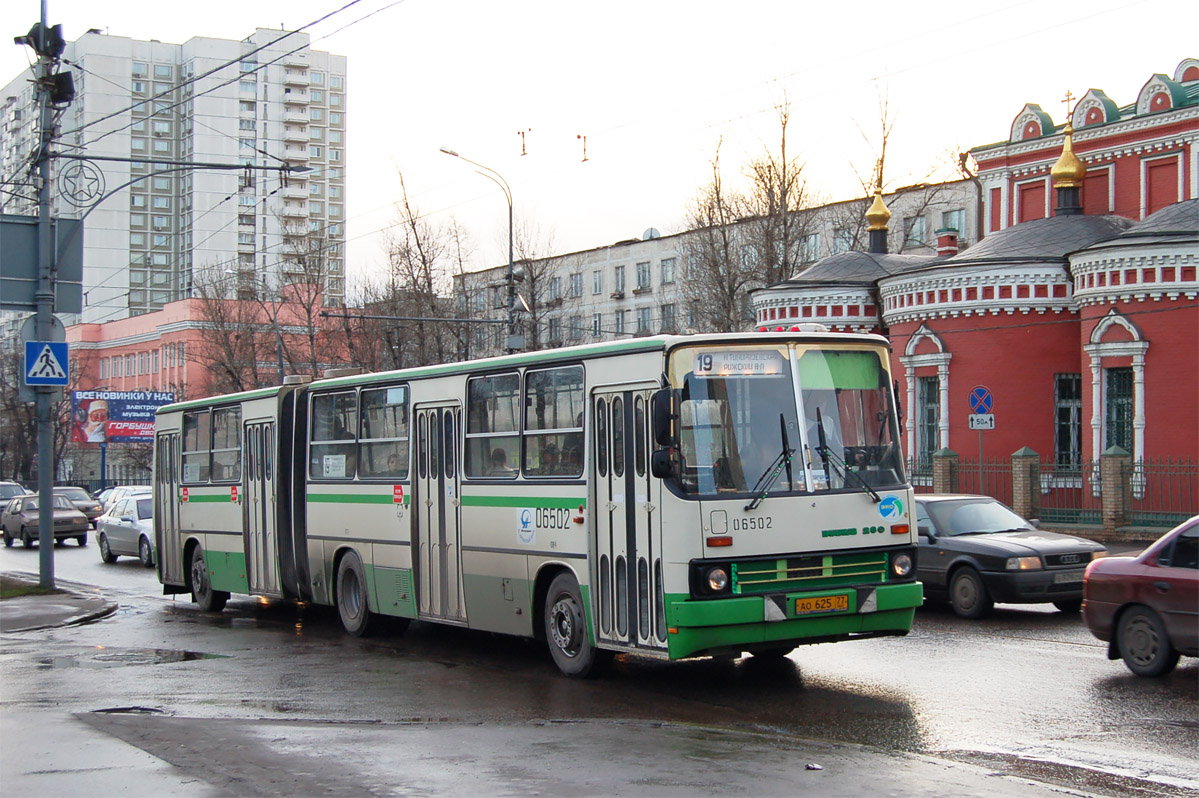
column 128, row 529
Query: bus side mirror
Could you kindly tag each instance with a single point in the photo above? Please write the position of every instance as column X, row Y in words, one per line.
column 663, row 412
column 661, row 464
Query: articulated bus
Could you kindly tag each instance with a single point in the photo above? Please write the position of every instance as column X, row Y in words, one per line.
column 670, row 496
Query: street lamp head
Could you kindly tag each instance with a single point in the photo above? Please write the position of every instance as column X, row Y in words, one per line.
column 448, row 151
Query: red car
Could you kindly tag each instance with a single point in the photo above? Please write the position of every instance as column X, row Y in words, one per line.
column 1147, row 607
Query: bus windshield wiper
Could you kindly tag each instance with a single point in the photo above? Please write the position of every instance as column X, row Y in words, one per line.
column 829, row 458
column 776, row 467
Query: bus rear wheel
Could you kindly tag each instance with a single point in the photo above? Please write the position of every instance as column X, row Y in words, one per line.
column 205, row 597
column 352, row 603
column 566, row 630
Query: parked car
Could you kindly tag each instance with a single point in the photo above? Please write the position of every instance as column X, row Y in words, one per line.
column 20, row 520
column 1146, row 606
column 9, row 490
column 128, row 529
column 83, row 503
column 121, row 491
column 974, row 551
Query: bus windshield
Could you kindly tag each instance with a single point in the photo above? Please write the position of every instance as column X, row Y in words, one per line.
column 739, row 408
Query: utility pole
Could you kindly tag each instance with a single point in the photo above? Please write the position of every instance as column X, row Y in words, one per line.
column 45, row 309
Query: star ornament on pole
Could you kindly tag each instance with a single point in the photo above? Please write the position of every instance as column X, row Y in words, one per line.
column 81, row 183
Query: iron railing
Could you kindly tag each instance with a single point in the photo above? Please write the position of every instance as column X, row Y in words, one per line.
column 1071, row 493
column 1165, row 491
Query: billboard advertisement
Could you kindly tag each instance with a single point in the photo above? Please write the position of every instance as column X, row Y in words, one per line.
column 115, row 416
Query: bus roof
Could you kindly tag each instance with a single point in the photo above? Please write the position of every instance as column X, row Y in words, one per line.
column 603, row 349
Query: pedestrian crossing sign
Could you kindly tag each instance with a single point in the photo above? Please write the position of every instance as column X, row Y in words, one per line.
column 46, row 363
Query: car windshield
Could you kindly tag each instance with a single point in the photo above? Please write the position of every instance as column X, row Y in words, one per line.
column 74, row 494
column 143, row 508
column 10, row 490
column 974, row 516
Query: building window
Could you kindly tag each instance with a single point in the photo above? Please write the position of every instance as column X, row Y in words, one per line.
column 643, row 278
column 137, row 145
column 618, row 287
column 809, row 247
column 668, row 318
column 576, row 284
column 139, row 87
column 248, row 87
column 334, row 155
column 576, row 328
column 554, row 329
column 137, row 239
column 335, row 137
column 954, row 220
column 1067, row 421
column 317, row 96
column 162, row 203
column 597, row 324
column 162, row 71
column 246, row 106
column 915, row 232
column 555, row 289
column 140, row 69
column 335, row 100
column 316, row 78
column 645, row 318
column 620, row 322
column 316, row 152
column 842, row 239
column 162, row 183
column 336, row 82
column 928, row 417
column 1118, row 408
column 668, row 271
column 597, row 282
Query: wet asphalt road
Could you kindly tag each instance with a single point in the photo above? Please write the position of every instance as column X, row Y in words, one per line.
column 1026, row 692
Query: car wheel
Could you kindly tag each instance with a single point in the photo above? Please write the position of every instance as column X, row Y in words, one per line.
column 1142, row 640
column 968, row 595
column 566, row 630
column 81, row 539
column 106, row 552
column 8, row 541
column 205, row 597
column 145, row 554
column 1071, row 606
column 26, row 539
column 352, row 603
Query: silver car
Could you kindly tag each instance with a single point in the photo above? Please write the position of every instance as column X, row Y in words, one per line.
column 128, row 529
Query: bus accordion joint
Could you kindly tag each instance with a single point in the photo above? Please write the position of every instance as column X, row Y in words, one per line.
column 718, row 541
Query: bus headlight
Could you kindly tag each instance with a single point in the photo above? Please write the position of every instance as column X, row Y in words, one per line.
column 901, row 565
column 718, row 579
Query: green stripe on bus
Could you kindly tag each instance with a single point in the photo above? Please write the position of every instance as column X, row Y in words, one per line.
column 200, row 498
column 552, row 502
column 354, row 498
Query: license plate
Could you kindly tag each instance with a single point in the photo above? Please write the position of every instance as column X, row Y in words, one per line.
column 1068, row 578
column 808, row 606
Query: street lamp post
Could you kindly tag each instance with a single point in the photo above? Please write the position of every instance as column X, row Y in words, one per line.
column 513, row 342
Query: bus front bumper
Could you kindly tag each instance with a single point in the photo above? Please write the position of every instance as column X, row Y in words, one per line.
column 745, row 623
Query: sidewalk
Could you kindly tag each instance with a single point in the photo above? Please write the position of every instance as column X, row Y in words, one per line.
column 74, row 603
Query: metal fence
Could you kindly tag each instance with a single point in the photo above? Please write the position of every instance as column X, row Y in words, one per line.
column 1165, row 491
column 989, row 477
column 920, row 474
column 1071, row 494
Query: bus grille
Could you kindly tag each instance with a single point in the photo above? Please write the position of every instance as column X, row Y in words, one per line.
column 808, row 573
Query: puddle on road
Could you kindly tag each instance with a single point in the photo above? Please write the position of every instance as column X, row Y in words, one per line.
column 108, row 658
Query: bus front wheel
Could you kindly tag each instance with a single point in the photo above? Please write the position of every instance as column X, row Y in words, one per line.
column 566, row 630
column 352, row 603
column 206, row 598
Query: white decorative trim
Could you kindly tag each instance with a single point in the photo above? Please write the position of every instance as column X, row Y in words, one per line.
column 1134, row 349
column 911, row 362
column 1155, row 85
column 1148, row 259
column 902, row 297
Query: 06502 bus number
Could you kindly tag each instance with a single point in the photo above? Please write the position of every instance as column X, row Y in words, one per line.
column 753, row 522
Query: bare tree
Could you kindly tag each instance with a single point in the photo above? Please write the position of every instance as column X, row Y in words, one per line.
column 775, row 226
column 232, row 346
column 550, row 287
column 716, row 285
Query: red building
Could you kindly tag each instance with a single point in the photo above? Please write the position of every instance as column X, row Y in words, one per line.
column 1078, row 318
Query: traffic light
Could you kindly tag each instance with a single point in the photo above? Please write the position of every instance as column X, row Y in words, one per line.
column 45, row 41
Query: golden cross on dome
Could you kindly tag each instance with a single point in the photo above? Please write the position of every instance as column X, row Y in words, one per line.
column 1067, row 101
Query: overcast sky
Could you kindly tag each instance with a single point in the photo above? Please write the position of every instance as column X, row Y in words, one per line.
column 654, row 86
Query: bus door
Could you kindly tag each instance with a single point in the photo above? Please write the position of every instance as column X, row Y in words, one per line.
column 628, row 531
column 258, row 509
column 166, row 508
column 437, row 503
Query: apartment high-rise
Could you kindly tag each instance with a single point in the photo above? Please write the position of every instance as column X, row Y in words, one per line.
column 161, row 229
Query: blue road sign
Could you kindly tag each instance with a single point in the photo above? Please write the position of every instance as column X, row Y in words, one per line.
column 46, row 363
column 980, row 399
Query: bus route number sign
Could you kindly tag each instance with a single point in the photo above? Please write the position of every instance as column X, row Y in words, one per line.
column 739, row 363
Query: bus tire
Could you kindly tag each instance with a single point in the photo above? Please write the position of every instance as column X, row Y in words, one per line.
column 203, row 595
column 352, row 602
column 566, row 630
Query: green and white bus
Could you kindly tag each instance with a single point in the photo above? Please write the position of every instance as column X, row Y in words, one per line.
column 671, row 496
